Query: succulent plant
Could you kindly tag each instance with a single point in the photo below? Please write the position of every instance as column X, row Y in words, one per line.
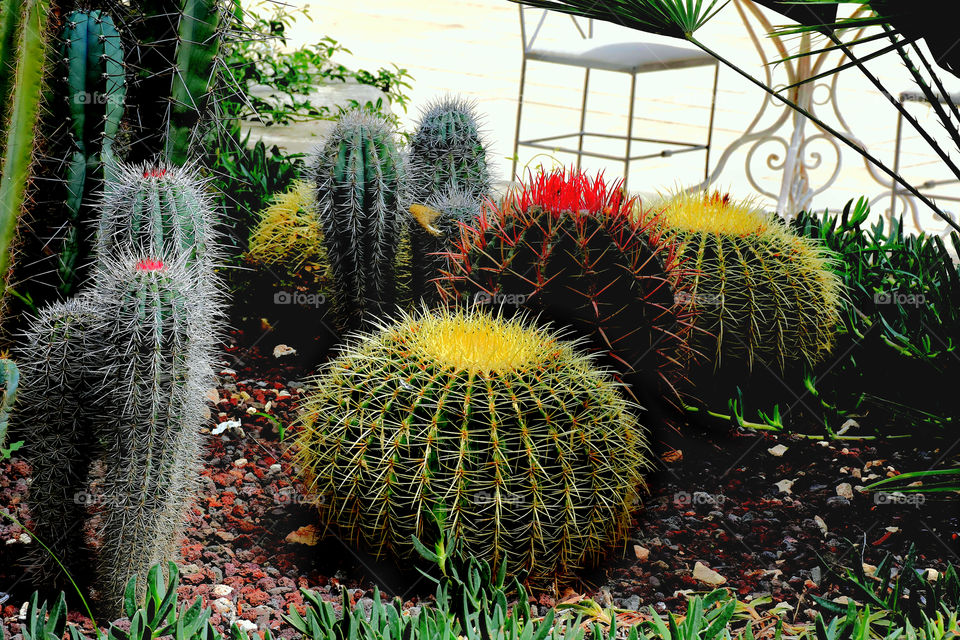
column 173, row 70
column 287, row 233
column 437, row 229
column 567, row 247
column 26, row 89
column 360, row 178
column 155, row 322
column 59, row 358
column 159, row 209
column 10, row 379
column 761, row 293
column 447, row 151
column 95, row 87
column 498, row 432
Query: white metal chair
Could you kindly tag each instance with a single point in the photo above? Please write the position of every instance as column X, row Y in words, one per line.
column 630, row 57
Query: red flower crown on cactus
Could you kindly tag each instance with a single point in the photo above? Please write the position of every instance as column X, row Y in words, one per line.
column 150, row 264
column 154, row 172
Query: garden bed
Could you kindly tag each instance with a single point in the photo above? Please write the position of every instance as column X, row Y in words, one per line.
column 723, row 500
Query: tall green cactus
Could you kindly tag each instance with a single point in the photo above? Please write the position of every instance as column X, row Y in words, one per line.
column 154, row 322
column 448, row 151
column 199, row 40
column 160, row 209
column 361, row 193
column 22, row 123
column 9, row 24
column 92, row 57
column 58, row 360
column 173, row 68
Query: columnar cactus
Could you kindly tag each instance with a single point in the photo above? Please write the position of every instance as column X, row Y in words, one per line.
column 20, row 125
column 568, row 247
column 760, row 292
column 173, row 71
column 361, row 196
column 448, row 151
column 199, row 36
column 59, row 360
column 95, row 88
column 492, row 429
column 436, row 229
column 160, row 209
column 154, row 320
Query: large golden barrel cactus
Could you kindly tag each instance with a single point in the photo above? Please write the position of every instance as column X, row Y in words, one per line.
column 760, row 292
column 494, row 430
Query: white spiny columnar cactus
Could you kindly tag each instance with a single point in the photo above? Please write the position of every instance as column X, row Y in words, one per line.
column 360, row 178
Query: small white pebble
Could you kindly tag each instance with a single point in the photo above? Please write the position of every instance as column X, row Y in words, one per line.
column 223, row 606
column 222, row 591
column 246, row 625
column 275, row 468
column 240, row 462
column 25, row 538
column 251, row 411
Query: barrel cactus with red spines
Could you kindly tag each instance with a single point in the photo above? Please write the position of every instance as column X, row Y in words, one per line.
column 566, row 245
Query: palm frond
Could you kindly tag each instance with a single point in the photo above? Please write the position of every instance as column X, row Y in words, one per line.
column 674, row 18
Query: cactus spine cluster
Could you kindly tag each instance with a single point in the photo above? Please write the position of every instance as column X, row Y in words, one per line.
column 360, row 179
column 497, row 431
column 92, row 59
column 130, row 360
column 448, row 151
column 568, row 247
column 761, row 292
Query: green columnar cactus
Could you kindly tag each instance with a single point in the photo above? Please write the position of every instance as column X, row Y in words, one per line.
column 10, row 379
column 155, row 323
column 92, row 57
column 27, row 88
column 361, row 193
column 437, row 230
column 59, row 357
column 9, row 25
column 199, row 37
column 492, row 429
column 566, row 246
column 160, row 209
column 447, row 151
column 760, row 292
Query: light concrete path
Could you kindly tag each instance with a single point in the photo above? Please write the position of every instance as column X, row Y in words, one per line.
column 473, row 48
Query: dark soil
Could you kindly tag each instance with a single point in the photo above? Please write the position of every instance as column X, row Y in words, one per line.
column 714, row 500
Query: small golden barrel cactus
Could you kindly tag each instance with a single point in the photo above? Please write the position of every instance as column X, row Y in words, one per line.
column 760, row 292
column 497, row 431
column 288, row 234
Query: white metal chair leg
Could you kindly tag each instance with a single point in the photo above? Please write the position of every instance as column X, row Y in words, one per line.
column 896, row 166
column 713, row 109
column 583, row 115
column 516, row 137
column 626, row 158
